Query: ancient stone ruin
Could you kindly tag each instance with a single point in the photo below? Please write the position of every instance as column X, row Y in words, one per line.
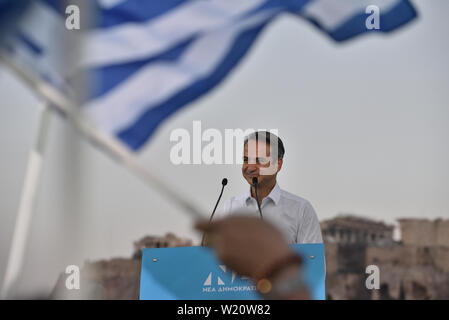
column 117, row 278
column 416, row 267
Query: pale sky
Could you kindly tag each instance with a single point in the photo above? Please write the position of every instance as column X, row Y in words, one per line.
column 365, row 126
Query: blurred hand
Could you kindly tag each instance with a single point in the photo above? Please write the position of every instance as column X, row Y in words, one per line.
column 247, row 245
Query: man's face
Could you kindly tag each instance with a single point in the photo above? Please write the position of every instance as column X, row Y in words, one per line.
column 257, row 162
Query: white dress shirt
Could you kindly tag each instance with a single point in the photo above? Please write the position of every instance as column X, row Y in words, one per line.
column 292, row 215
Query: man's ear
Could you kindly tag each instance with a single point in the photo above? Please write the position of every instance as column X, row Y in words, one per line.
column 280, row 161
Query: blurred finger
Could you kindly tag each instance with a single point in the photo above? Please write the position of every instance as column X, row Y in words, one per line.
column 205, row 226
column 212, row 240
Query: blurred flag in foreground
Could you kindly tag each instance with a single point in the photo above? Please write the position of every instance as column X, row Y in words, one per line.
column 147, row 59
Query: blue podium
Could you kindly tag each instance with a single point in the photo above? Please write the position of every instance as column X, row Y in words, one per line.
column 194, row 273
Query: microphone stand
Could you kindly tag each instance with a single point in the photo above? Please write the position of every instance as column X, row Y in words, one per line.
column 223, row 183
column 257, row 196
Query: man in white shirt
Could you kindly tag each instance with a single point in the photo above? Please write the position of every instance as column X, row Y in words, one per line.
column 291, row 214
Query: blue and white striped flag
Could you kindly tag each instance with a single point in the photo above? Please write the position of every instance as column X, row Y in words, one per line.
column 149, row 58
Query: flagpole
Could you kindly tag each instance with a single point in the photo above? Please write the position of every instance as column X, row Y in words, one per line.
column 27, row 201
column 108, row 143
column 57, row 101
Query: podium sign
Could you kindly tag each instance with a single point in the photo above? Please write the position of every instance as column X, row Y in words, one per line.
column 194, row 273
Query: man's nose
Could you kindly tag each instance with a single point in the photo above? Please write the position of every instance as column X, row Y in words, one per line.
column 252, row 168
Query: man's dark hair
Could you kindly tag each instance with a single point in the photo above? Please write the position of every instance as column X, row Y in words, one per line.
column 269, row 138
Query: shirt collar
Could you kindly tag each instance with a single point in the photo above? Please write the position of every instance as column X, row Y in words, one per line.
column 274, row 195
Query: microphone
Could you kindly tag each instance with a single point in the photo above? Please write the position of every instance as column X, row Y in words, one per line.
column 257, row 196
column 223, row 183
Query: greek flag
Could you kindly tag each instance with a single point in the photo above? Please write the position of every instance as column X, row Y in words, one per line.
column 146, row 59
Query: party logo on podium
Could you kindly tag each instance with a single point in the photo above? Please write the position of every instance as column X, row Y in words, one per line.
column 221, row 281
